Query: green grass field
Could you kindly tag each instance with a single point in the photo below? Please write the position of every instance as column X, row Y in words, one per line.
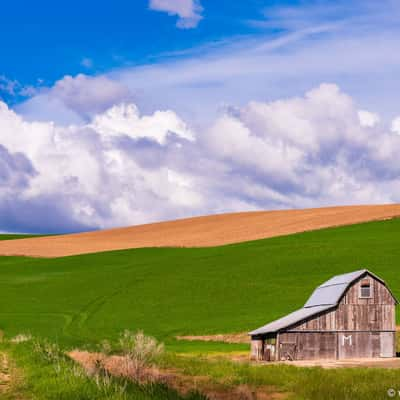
column 166, row 292
column 6, row 236
column 80, row 300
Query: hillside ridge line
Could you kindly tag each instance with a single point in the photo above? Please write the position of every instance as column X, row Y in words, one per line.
column 204, row 231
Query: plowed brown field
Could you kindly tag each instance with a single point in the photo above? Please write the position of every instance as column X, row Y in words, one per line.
column 213, row 230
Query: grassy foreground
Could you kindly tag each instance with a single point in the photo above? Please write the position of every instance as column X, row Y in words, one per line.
column 294, row 382
column 51, row 375
column 48, row 374
column 81, row 300
column 167, row 292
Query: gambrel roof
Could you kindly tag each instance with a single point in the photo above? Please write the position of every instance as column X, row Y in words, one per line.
column 324, row 297
column 331, row 291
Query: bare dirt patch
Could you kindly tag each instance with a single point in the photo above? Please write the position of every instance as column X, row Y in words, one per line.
column 389, row 363
column 5, row 377
column 184, row 384
column 213, row 230
column 225, row 338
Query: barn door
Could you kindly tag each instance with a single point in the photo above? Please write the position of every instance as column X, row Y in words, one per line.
column 287, row 351
column 345, row 345
column 355, row 344
column 387, row 344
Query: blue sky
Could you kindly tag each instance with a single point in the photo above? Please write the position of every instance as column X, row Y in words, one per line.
column 142, row 110
column 43, row 41
column 53, row 38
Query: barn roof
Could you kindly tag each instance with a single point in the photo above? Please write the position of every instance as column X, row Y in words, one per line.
column 289, row 319
column 323, row 298
column 330, row 292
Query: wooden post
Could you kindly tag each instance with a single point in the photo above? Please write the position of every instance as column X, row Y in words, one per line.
column 337, row 345
column 277, row 348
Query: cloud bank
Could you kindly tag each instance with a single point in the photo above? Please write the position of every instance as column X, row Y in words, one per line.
column 188, row 11
column 114, row 166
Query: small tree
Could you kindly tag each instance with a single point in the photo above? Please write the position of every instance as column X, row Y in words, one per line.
column 140, row 351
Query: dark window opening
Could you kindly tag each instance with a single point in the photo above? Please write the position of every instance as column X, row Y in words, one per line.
column 365, row 290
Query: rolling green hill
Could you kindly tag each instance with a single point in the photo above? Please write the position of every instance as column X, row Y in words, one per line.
column 166, row 292
column 6, row 236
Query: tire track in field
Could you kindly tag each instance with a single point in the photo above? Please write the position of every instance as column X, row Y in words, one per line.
column 88, row 311
column 78, row 319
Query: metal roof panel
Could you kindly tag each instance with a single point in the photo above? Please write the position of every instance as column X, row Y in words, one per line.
column 326, row 295
column 344, row 278
column 289, row 320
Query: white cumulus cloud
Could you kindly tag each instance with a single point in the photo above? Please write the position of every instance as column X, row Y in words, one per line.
column 368, row 119
column 308, row 151
column 74, row 99
column 188, row 11
column 98, row 173
column 124, row 119
column 120, row 167
column 396, row 125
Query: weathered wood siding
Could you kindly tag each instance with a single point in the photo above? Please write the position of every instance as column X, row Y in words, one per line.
column 307, row 345
column 376, row 313
column 257, row 349
column 356, row 317
column 379, row 293
column 331, row 345
column 366, row 344
column 322, row 322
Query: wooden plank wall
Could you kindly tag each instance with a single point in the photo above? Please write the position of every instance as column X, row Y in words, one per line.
column 323, row 322
column 256, row 349
column 366, row 344
column 331, row 345
column 356, row 344
column 375, row 317
column 380, row 293
column 308, row 345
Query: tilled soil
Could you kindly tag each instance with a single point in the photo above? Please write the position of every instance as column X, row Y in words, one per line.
column 213, row 230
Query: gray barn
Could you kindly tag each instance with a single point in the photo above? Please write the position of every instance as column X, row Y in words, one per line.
column 348, row 316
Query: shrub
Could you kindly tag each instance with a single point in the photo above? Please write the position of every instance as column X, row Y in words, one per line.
column 105, row 347
column 21, row 338
column 140, row 351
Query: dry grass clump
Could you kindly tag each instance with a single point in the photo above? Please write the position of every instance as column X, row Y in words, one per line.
column 21, row 338
column 55, row 357
column 140, row 352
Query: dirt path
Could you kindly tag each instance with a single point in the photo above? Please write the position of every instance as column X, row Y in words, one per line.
column 387, row 363
column 225, row 338
column 183, row 384
column 213, row 230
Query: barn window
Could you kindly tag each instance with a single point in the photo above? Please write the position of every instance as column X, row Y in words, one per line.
column 365, row 289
